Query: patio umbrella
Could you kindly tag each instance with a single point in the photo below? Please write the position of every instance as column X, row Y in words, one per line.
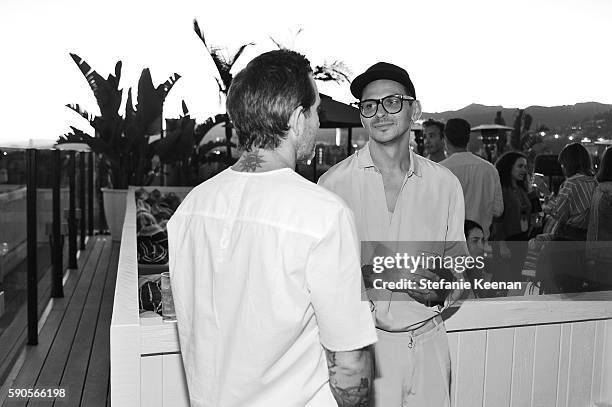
column 336, row 114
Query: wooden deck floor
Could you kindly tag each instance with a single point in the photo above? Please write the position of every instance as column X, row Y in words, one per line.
column 73, row 347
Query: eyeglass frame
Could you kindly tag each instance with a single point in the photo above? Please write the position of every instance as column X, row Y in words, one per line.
column 379, row 102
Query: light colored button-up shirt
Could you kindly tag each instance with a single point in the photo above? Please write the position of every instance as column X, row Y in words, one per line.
column 482, row 190
column 265, row 270
column 429, row 210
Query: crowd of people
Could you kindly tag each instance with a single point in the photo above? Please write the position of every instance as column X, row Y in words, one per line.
column 503, row 202
column 268, row 268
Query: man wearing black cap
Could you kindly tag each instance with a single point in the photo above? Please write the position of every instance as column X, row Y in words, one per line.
column 402, row 203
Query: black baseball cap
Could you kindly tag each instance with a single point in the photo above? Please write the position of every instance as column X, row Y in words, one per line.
column 382, row 70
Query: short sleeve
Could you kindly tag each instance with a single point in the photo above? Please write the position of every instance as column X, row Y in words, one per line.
column 455, row 236
column 455, row 245
column 334, row 278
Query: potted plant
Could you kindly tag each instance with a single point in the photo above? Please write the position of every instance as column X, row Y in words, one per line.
column 123, row 142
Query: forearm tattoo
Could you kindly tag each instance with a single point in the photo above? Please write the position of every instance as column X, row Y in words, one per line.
column 250, row 161
column 354, row 392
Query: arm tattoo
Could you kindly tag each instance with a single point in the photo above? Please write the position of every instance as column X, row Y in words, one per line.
column 350, row 394
column 250, row 161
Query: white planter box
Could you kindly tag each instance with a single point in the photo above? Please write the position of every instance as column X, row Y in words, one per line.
column 552, row 350
column 146, row 366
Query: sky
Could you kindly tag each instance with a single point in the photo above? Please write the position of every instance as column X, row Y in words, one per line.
column 514, row 53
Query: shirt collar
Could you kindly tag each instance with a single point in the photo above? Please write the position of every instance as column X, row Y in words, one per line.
column 364, row 160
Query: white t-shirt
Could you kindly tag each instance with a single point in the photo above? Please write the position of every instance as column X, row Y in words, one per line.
column 265, row 269
column 482, row 189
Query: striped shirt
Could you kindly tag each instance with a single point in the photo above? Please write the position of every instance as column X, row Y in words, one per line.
column 572, row 204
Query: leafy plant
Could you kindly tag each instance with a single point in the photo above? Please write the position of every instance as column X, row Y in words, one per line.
column 335, row 71
column 123, row 142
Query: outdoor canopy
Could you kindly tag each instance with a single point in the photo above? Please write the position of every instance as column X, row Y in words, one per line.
column 336, row 114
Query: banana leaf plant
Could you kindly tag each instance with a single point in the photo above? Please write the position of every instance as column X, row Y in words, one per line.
column 123, row 141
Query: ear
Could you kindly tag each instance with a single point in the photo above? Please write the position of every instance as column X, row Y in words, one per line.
column 416, row 111
column 297, row 121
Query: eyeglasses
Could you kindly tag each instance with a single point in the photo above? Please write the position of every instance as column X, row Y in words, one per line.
column 392, row 104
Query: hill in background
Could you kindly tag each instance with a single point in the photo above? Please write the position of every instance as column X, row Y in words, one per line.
column 555, row 117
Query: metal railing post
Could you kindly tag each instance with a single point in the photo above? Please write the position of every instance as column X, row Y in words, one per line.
column 102, row 224
column 90, row 193
column 32, row 246
column 83, row 216
column 57, row 244
column 72, row 229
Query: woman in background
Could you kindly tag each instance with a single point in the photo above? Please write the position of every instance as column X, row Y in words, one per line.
column 516, row 222
column 474, row 237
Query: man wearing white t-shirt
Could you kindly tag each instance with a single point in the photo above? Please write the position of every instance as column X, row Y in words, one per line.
column 479, row 179
column 265, row 265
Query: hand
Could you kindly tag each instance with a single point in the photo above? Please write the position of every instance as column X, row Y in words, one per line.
column 424, row 296
column 368, row 275
column 504, row 251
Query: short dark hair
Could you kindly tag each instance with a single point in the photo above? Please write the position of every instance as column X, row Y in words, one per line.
column 575, row 159
column 265, row 93
column 457, row 132
column 469, row 225
column 504, row 166
column 433, row 122
column 605, row 166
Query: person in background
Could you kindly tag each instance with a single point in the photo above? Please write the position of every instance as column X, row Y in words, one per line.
column 269, row 313
column 599, row 234
column 433, row 140
column 561, row 266
column 399, row 196
column 474, row 237
column 479, row 179
column 513, row 227
column 571, row 206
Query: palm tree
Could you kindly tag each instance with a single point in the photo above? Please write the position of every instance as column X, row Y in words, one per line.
column 335, row 71
column 224, row 64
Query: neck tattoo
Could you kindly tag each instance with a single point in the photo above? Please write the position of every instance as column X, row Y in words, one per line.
column 251, row 161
